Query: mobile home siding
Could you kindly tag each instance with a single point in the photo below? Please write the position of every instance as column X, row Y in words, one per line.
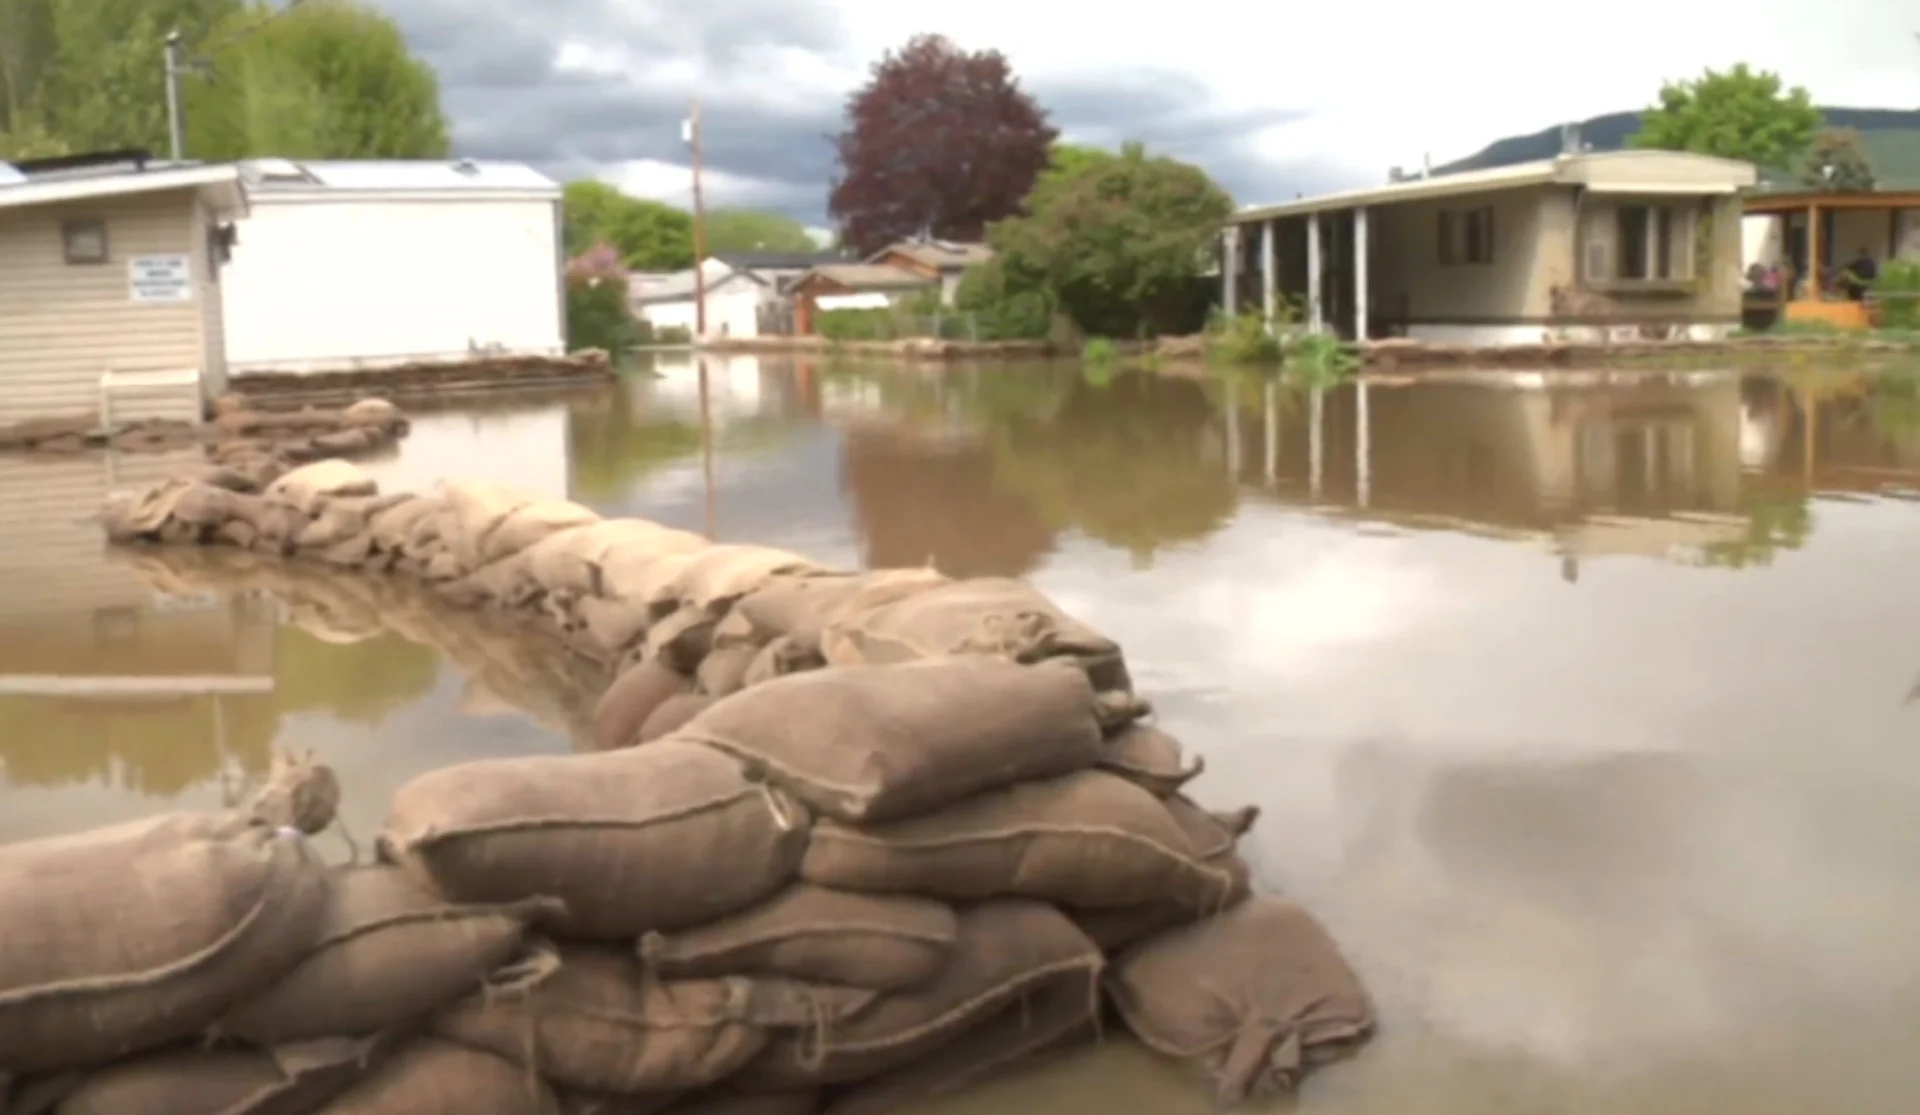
column 62, row 325
column 344, row 282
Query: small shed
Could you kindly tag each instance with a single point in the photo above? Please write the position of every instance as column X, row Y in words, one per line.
column 853, row 286
column 350, row 265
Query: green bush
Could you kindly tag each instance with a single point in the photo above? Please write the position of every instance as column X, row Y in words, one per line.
column 597, row 313
column 878, row 324
column 1898, row 289
column 1003, row 306
column 647, row 333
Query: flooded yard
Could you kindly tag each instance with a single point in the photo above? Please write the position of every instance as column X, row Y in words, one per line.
column 1583, row 713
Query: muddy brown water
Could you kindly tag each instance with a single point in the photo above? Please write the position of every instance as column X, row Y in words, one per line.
column 1586, row 714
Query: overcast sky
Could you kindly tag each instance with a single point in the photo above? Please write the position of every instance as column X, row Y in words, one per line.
column 1271, row 99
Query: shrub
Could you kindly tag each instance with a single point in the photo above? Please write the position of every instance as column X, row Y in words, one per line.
column 1898, row 290
column 878, row 324
column 1004, row 306
column 597, row 313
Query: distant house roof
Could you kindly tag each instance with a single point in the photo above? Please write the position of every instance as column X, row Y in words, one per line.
column 1642, row 172
column 219, row 185
column 867, row 276
column 468, row 177
column 941, row 255
column 678, row 286
column 778, row 261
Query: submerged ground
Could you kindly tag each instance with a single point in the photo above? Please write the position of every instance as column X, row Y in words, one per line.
column 1584, row 716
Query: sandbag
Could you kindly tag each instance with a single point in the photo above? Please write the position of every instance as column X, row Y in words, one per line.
column 983, row 615
column 292, row 1080
column 724, row 670
column 631, row 699
column 371, row 411
column 343, row 519
column 599, row 1022
column 628, row 840
column 1116, row 928
column 673, row 714
column 647, row 576
column 1006, row 951
column 779, row 658
column 529, row 523
column 724, row 1101
column 800, row 606
column 613, row 626
column 431, row 1077
column 474, row 509
column 682, row 639
column 815, row 935
column 713, row 578
column 1256, row 997
column 1150, row 758
column 1088, row 839
column 390, row 527
column 388, row 952
column 573, row 1102
column 867, row 743
column 1059, row 1013
column 128, row 937
column 308, row 486
column 569, row 560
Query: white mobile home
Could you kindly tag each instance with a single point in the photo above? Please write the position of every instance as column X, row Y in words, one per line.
column 349, row 265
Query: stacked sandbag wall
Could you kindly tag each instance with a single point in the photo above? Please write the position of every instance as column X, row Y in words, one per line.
column 843, row 840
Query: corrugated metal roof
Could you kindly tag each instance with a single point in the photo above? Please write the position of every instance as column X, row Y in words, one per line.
column 398, row 175
column 868, row 276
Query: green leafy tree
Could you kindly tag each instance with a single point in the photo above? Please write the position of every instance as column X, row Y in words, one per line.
column 1838, row 161
column 754, row 230
column 1740, row 113
column 100, row 82
column 1120, row 244
column 650, row 235
column 330, row 79
column 1068, row 159
column 1004, row 305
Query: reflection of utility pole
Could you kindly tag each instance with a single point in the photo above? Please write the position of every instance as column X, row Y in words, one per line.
column 692, row 136
column 706, row 449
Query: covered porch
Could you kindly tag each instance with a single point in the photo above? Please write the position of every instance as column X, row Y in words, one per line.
column 1807, row 241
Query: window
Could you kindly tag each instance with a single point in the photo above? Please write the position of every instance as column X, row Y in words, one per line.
column 1466, row 235
column 1655, row 243
column 84, row 240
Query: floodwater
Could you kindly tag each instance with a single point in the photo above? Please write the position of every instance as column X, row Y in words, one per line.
column 1585, row 715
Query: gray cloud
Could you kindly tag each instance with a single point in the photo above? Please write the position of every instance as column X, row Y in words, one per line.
column 507, row 99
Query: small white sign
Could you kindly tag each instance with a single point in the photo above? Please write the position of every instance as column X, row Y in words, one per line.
column 160, row 278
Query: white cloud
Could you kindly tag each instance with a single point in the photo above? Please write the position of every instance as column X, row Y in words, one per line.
column 668, row 182
column 1387, row 80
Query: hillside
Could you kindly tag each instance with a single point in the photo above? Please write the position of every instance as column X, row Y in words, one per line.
column 1891, row 138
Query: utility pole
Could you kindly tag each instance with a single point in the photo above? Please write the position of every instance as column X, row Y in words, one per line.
column 175, row 140
column 699, row 230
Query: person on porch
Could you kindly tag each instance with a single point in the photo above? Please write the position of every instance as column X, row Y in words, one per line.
column 1859, row 276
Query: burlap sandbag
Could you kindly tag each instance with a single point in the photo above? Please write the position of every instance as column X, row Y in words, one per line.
column 725, row 1101
column 574, row 1102
column 719, row 575
column 310, row 485
column 391, row 526
column 1145, row 755
column 871, row 743
column 530, row 523
column 599, row 1022
column 388, row 952
column 628, row 840
column 124, row 938
column 570, row 559
column 474, row 509
column 800, row 606
column 682, row 639
column 631, row 700
column 645, row 576
column 613, row 626
column 1060, row 1012
column 816, row 935
column 1115, row 928
column 1087, row 839
column 291, row 1080
column 984, row 615
column 1212, row 833
column 1007, row 950
column 779, row 658
column 673, row 714
column 433, row 1077
column 1256, row 996
column 724, row 670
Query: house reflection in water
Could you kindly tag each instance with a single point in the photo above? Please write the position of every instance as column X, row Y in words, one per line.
column 188, row 682
column 1652, row 468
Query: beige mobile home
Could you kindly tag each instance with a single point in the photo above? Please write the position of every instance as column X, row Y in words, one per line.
column 109, row 296
column 1593, row 246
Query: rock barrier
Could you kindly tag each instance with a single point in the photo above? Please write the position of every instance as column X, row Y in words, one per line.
column 841, row 841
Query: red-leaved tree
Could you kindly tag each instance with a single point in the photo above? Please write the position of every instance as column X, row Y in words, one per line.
column 940, row 142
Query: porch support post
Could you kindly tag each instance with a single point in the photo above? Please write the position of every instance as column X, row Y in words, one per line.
column 1229, row 269
column 1269, row 274
column 1314, row 321
column 1360, row 274
column 1813, row 252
